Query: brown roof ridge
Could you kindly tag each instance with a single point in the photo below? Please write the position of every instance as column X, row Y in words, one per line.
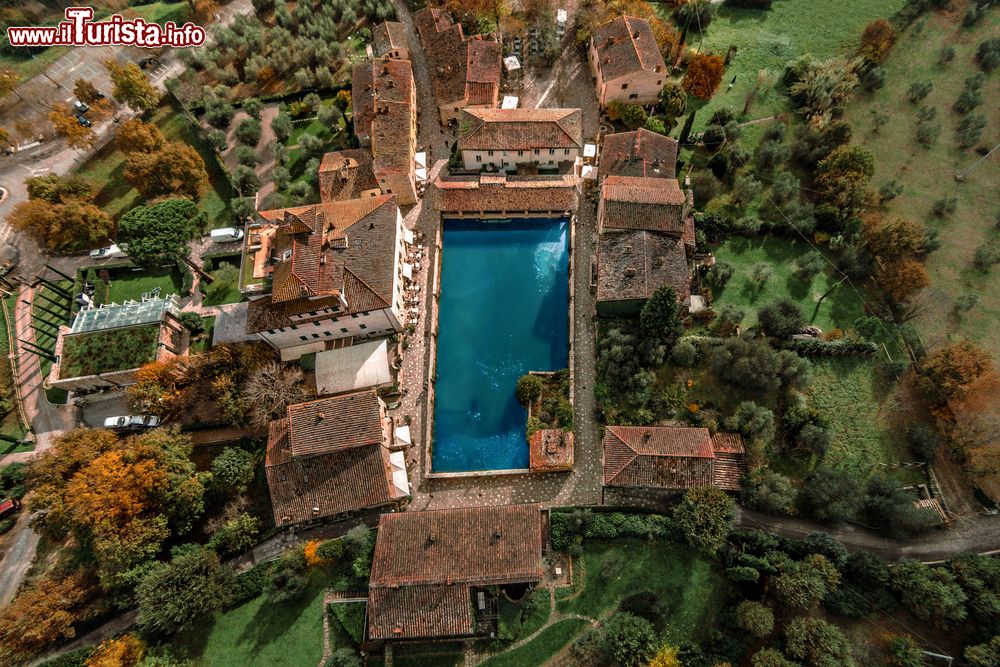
column 631, row 37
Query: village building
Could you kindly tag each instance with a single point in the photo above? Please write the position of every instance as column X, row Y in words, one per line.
column 325, row 272
column 106, row 345
column 507, row 139
column 500, row 196
column 384, row 100
column 437, row 574
column 645, row 241
column 330, row 457
column 347, row 174
column 652, row 460
column 626, row 63
column 465, row 71
column 640, row 153
column 389, row 41
column 550, row 450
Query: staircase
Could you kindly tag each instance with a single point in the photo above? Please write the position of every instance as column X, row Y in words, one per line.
column 729, row 469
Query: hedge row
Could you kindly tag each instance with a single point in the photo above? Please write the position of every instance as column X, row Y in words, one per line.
column 814, row 347
column 569, row 528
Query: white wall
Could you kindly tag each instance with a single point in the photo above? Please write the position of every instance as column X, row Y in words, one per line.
column 508, row 160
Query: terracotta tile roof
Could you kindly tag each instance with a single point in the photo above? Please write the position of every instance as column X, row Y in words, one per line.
column 658, row 457
column 626, row 45
column 728, row 443
column 338, row 249
column 384, row 112
column 639, row 153
column 334, row 483
column 331, row 424
column 653, row 204
column 346, row 174
column 389, row 36
column 426, row 563
column 633, row 264
column 521, row 129
column 498, row 193
column 551, row 449
column 461, row 68
column 412, row 612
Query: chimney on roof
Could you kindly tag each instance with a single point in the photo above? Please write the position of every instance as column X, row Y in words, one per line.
column 629, row 273
column 315, row 510
column 320, row 416
column 432, row 538
column 647, row 436
column 497, row 534
column 635, row 35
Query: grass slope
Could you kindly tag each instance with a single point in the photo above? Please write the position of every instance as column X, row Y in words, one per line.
column 541, row 648
column 260, row 633
column 927, row 173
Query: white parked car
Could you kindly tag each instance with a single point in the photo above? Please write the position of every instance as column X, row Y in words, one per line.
column 132, row 421
column 226, row 235
column 111, row 252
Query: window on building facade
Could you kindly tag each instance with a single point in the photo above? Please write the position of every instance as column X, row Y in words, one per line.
column 343, row 330
column 479, row 158
column 552, row 151
column 294, row 327
column 362, row 326
column 624, row 86
column 565, row 151
column 490, row 153
column 315, row 335
column 633, row 96
column 303, row 337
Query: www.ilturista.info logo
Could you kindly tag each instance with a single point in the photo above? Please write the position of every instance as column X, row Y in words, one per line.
column 79, row 30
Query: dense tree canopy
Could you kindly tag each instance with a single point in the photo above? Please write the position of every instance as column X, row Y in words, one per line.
column 704, row 74
column 131, row 86
column 159, row 233
column 706, row 515
column 44, row 614
column 175, row 594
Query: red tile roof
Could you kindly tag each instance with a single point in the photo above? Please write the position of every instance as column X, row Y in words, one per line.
column 633, row 264
column 461, row 69
column 667, row 457
column 653, row 204
column 324, row 485
column 521, row 129
column 626, row 45
column 384, row 112
column 323, row 267
column 332, row 424
column 550, row 449
column 389, row 36
column 346, row 174
column 497, row 193
column 639, row 153
column 426, row 564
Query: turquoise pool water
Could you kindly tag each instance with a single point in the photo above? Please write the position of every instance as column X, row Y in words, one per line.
column 503, row 312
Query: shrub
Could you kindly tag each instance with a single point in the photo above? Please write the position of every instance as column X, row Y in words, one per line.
column 246, row 156
column 343, row 657
column 684, row 354
column 630, row 641
column 770, row 492
column 331, row 550
column 253, row 107
column 233, row 469
column 928, row 132
column 988, row 54
column 529, row 389
column 717, row 275
column 705, row 187
column 754, row 618
column 781, row 318
column 248, row 132
column 352, row 618
column 830, row 495
column 987, row 255
column 918, row 90
column 970, row 130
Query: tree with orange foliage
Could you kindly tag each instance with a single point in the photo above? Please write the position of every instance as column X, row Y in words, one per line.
column 124, row 651
column 66, row 125
column 948, row 371
column 44, row 614
column 667, row 37
column 121, row 498
column 903, row 278
column 976, row 429
column 876, row 41
column 704, row 74
column 896, row 237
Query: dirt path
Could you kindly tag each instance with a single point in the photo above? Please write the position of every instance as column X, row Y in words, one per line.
column 20, row 546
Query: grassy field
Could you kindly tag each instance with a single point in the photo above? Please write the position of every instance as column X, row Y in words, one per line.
column 688, row 587
column 927, row 173
column 334, row 139
column 543, row 647
column 225, row 288
column 106, row 170
column 127, row 284
column 260, row 632
column 839, row 309
column 10, row 424
column 769, row 39
column 858, row 401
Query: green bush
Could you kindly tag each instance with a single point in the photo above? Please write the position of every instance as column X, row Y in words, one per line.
column 529, row 389
column 249, row 584
column 351, row 617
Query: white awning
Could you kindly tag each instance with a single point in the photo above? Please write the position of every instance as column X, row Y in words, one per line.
column 400, row 482
column 421, row 159
column 588, row 172
column 561, row 16
column 407, row 270
column 421, row 173
column 352, row 368
column 511, row 63
column 589, row 150
column 403, row 435
column 408, row 235
column 509, row 102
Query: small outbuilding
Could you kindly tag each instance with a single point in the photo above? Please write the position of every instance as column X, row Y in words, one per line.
column 353, row 368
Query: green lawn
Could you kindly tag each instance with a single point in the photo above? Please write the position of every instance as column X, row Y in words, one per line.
column 769, row 39
column 541, row 648
column 688, row 586
column 128, row 284
column 334, row 139
column 225, row 288
column 927, row 173
column 857, row 400
column 10, row 424
column 839, row 309
column 106, row 171
column 109, row 350
column 260, row 632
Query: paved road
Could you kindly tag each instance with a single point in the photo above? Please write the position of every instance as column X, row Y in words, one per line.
column 21, row 543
